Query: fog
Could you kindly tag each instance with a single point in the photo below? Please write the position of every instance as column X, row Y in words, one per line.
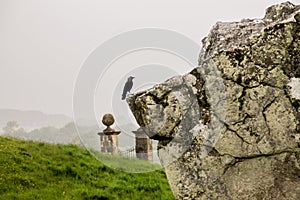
column 45, row 43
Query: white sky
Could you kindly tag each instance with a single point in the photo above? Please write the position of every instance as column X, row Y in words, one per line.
column 44, row 43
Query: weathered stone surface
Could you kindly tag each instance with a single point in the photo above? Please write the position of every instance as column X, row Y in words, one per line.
column 230, row 129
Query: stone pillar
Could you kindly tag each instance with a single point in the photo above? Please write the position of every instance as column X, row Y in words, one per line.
column 109, row 137
column 143, row 145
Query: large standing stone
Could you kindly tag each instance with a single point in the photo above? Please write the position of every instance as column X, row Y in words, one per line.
column 230, row 128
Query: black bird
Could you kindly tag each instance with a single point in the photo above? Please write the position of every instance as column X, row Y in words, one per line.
column 127, row 87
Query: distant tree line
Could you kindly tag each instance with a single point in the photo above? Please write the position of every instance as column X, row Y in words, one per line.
column 64, row 135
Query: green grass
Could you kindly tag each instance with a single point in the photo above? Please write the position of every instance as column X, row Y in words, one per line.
column 30, row 170
column 131, row 165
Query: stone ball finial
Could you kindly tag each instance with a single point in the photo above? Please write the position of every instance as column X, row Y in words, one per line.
column 108, row 120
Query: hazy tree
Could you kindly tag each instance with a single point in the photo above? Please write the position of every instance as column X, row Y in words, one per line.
column 12, row 127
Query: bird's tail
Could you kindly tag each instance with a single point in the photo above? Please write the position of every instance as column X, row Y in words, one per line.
column 123, row 95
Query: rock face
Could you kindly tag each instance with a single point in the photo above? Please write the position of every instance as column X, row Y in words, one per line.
column 230, row 129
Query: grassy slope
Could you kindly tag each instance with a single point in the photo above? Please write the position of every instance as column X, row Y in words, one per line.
column 31, row 170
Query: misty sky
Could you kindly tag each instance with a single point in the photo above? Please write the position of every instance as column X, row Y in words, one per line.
column 44, row 43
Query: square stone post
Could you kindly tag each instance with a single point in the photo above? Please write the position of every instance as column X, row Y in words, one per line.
column 109, row 137
column 143, row 145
